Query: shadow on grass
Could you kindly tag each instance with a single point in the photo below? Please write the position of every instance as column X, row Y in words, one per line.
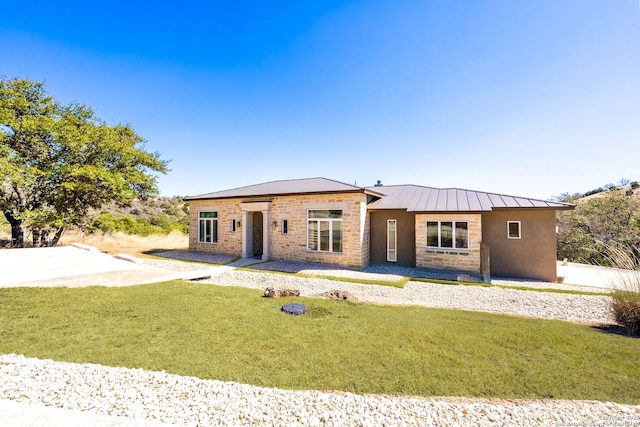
column 614, row 330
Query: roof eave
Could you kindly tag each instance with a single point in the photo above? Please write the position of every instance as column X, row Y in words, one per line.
column 303, row 193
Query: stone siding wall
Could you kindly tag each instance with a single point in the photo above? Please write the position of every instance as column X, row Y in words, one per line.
column 229, row 242
column 449, row 258
column 293, row 245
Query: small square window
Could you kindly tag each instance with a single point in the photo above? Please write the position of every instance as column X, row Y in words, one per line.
column 513, row 230
column 285, row 226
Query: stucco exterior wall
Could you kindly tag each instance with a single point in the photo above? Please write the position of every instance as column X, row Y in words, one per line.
column 406, row 228
column 449, row 258
column 533, row 256
column 293, row 245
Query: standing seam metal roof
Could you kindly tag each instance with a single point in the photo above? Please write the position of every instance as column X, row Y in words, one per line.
column 293, row 186
column 416, row 198
column 412, row 198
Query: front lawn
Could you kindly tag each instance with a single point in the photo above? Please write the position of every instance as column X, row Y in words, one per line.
column 234, row 334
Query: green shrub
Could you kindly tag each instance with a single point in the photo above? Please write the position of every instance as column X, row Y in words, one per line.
column 105, row 222
column 634, row 185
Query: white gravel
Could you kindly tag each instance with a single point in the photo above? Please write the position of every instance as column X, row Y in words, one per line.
column 575, row 308
column 37, row 392
column 138, row 397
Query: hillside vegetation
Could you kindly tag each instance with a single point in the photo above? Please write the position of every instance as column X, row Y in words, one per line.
column 155, row 216
column 605, row 218
column 160, row 215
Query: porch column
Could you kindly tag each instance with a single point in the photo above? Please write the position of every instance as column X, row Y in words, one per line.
column 266, row 244
column 247, row 224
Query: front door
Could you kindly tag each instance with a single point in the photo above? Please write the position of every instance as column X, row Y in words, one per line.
column 257, row 235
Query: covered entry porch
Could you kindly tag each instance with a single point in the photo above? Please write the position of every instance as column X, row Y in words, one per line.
column 255, row 230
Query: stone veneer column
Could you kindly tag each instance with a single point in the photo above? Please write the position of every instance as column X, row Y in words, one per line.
column 266, row 244
column 247, row 224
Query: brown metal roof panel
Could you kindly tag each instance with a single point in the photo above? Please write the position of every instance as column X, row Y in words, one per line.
column 496, row 201
column 473, row 201
column 441, row 201
column 523, row 202
column 463, row 200
column 540, row 203
column 509, row 201
column 452, row 199
column 295, row 186
column 419, row 198
column 485, row 202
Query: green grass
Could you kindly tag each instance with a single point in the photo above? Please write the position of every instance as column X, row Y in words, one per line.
column 233, row 334
column 623, row 295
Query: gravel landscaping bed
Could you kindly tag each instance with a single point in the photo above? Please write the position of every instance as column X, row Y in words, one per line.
column 157, row 398
column 575, row 308
column 590, row 309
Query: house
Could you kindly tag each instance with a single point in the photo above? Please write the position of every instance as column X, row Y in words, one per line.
column 330, row 222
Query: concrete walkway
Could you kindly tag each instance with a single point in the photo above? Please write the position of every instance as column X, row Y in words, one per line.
column 77, row 266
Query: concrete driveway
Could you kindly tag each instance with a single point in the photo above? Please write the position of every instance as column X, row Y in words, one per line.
column 600, row 277
column 76, row 266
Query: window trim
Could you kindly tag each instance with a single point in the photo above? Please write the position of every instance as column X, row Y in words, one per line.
column 285, row 226
column 453, row 246
column 330, row 221
column 519, row 236
column 214, row 230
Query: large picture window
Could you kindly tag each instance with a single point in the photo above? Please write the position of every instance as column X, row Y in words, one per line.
column 208, row 227
column 324, row 230
column 448, row 234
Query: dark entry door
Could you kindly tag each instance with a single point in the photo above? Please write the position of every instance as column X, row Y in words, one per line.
column 257, row 234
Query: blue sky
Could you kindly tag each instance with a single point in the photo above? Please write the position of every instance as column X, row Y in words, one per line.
column 531, row 98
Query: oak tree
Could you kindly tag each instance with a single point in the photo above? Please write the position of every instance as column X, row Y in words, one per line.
column 59, row 162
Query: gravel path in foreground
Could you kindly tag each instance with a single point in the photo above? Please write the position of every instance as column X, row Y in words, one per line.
column 157, row 398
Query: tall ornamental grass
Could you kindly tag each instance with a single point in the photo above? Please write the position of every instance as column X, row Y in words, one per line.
column 625, row 300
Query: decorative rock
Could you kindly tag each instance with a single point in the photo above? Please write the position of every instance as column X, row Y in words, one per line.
column 278, row 293
column 338, row 294
column 468, row 278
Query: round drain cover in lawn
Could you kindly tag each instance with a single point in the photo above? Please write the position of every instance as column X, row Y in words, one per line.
column 294, row 309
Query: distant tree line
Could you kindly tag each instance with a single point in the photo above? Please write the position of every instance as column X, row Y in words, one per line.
column 609, row 219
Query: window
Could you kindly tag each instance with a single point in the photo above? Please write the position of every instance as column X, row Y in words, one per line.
column 392, row 240
column 208, row 227
column 285, row 226
column 513, row 229
column 448, row 234
column 234, row 224
column 324, row 230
